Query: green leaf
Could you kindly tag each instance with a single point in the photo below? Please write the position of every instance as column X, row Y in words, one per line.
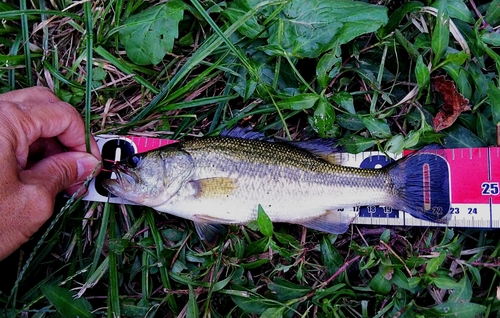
column 449, row 309
column 65, row 304
column 491, row 38
column 274, row 312
column 298, row 102
column 323, row 119
column 463, row 293
column 485, row 129
column 330, row 256
column 345, row 100
column 237, row 9
column 192, row 309
column 377, row 127
column 350, row 121
column 395, row 144
column 460, row 137
column 380, row 284
column 458, row 58
column 458, row 10
column 357, row 144
column 284, row 290
column 492, row 15
column 434, row 263
column 445, row 282
column 252, row 304
column 98, row 74
column 307, row 28
column 328, row 67
column 422, row 74
column 494, row 99
column 441, row 34
column 264, row 222
column 150, row 34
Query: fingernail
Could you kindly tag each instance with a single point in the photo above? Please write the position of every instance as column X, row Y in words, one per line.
column 86, row 166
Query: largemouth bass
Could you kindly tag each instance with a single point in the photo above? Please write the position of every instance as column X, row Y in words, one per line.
column 222, row 180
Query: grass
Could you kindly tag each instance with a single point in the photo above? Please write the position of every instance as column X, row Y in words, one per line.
column 219, row 64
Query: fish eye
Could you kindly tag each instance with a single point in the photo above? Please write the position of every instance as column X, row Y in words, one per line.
column 134, row 161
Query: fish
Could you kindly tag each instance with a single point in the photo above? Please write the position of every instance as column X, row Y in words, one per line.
column 223, row 180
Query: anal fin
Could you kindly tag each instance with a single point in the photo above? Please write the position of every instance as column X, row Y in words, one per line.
column 333, row 222
column 210, row 233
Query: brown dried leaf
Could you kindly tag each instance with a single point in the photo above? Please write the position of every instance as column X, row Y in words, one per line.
column 454, row 103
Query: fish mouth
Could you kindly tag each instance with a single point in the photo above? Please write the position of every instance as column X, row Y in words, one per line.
column 125, row 180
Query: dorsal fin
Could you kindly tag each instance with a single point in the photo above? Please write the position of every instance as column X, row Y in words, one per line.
column 244, row 133
column 326, row 149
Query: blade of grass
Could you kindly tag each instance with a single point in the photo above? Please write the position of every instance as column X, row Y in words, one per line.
column 26, row 41
column 101, row 237
column 150, row 221
column 113, row 293
column 379, row 81
column 87, row 7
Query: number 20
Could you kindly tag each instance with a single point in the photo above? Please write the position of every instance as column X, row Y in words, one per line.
column 490, row 188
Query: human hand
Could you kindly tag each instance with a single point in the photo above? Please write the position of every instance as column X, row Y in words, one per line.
column 42, row 151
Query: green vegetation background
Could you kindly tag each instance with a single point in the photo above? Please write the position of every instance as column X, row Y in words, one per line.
column 357, row 71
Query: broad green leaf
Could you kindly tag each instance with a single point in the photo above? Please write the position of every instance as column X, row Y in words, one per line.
column 65, row 304
column 192, row 309
column 485, row 129
column 491, row 38
column 377, row 127
column 460, row 137
column 264, row 222
column 307, row 28
column 330, row 256
column 357, row 144
column 395, row 144
column 445, row 282
column 494, row 99
column 422, row 74
column 328, row 67
column 492, row 15
column 434, row 263
column 345, row 100
column 252, row 304
column 458, row 10
column 284, row 290
column 257, row 247
column 449, row 309
column 150, row 34
column 463, row 293
column 400, row 279
column 298, row 102
column 274, row 312
column 458, row 58
column 350, row 121
column 441, row 34
column 380, row 284
column 323, row 119
column 237, row 9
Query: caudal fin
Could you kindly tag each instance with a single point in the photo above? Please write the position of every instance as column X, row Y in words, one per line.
column 422, row 185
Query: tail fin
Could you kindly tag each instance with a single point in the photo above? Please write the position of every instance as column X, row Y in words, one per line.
column 422, row 185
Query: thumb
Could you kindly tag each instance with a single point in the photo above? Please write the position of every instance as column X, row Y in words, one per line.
column 60, row 171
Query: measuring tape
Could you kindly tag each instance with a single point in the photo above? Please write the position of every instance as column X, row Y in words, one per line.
column 474, row 182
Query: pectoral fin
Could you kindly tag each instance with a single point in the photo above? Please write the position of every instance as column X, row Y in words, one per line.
column 214, row 187
column 333, row 222
column 210, row 233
